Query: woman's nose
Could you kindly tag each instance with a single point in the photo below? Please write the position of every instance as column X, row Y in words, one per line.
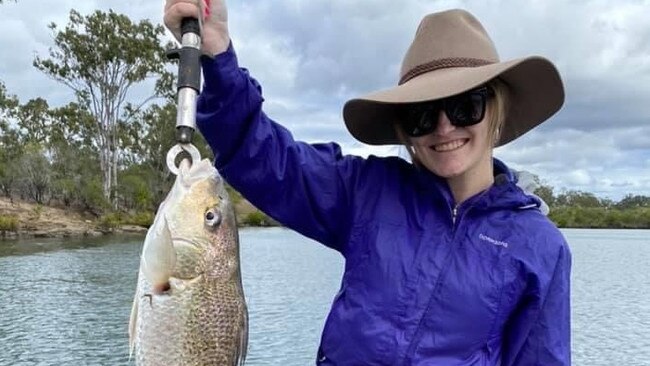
column 444, row 126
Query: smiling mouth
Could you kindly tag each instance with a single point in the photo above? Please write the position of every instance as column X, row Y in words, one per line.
column 450, row 146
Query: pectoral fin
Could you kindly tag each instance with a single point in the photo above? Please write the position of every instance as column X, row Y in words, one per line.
column 133, row 320
column 158, row 255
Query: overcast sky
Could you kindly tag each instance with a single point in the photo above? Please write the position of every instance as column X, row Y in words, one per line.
column 312, row 55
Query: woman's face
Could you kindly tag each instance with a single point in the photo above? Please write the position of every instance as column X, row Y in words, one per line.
column 452, row 152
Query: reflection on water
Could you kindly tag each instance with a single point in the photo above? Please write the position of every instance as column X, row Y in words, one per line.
column 67, row 302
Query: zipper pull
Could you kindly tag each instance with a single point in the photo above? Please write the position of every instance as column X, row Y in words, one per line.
column 454, row 213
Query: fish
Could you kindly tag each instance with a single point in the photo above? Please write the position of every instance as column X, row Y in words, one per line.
column 189, row 306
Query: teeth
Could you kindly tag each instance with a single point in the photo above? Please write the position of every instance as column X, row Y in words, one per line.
column 448, row 146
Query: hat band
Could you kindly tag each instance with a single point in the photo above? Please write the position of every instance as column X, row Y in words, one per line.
column 442, row 63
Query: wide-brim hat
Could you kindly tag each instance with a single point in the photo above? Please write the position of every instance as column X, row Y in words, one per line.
column 450, row 54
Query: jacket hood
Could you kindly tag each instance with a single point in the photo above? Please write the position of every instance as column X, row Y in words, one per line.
column 505, row 193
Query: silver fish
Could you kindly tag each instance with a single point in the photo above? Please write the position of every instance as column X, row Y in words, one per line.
column 189, row 306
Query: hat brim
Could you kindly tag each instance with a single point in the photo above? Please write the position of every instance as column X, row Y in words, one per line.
column 535, row 94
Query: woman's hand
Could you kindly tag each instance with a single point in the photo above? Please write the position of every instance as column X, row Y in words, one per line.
column 214, row 34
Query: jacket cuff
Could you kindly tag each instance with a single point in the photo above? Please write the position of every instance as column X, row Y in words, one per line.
column 221, row 73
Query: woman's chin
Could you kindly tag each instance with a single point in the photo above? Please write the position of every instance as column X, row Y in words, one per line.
column 447, row 171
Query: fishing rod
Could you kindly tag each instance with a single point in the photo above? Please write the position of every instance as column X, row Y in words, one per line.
column 188, row 87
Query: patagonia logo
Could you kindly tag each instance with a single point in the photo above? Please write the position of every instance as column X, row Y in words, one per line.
column 493, row 241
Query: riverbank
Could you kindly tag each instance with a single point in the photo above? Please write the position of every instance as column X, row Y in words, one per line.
column 38, row 221
column 23, row 220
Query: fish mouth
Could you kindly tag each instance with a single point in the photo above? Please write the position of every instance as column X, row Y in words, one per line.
column 173, row 286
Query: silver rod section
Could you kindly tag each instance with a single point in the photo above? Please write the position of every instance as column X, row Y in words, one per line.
column 191, row 40
column 186, row 111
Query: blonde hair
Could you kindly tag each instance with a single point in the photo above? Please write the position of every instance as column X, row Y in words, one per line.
column 497, row 112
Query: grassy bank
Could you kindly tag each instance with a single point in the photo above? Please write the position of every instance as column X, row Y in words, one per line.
column 20, row 219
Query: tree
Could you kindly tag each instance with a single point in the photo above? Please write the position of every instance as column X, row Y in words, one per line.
column 545, row 192
column 34, row 121
column 35, row 174
column 10, row 148
column 633, row 201
column 101, row 57
column 8, row 104
column 578, row 198
column 74, row 126
column 76, row 177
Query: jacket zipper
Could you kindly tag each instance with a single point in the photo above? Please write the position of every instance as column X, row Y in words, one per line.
column 454, row 211
column 454, row 214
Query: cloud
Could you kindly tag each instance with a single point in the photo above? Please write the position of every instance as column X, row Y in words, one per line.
column 336, row 53
column 609, row 162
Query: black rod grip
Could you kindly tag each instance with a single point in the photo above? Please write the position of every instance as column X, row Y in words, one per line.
column 189, row 66
column 190, row 25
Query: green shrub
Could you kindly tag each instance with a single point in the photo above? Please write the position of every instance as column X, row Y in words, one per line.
column 144, row 219
column 65, row 189
column 134, row 192
column 37, row 211
column 614, row 219
column 235, row 197
column 93, row 197
column 111, row 221
column 256, row 218
column 8, row 223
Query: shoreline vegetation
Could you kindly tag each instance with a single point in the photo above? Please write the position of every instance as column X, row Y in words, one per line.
column 20, row 219
column 577, row 209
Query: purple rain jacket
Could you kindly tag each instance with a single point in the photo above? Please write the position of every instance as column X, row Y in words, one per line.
column 425, row 282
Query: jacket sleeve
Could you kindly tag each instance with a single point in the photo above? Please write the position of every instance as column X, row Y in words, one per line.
column 539, row 330
column 305, row 187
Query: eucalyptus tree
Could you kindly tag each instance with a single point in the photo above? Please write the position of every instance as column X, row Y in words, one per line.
column 10, row 148
column 76, row 177
column 34, row 173
column 34, row 122
column 8, row 103
column 101, row 57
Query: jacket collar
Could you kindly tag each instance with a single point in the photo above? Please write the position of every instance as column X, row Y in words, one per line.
column 503, row 194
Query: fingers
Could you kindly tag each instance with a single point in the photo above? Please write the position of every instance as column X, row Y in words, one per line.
column 206, row 8
column 176, row 10
column 214, row 16
column 171, row 3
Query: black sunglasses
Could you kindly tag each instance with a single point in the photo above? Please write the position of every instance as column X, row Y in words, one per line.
column 463, row 110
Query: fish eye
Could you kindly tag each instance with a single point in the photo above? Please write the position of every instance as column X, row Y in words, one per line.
column 212, row 217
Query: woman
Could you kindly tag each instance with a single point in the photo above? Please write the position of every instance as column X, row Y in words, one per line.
column 447, row 261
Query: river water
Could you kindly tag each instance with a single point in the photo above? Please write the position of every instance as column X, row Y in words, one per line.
column 67, row 302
